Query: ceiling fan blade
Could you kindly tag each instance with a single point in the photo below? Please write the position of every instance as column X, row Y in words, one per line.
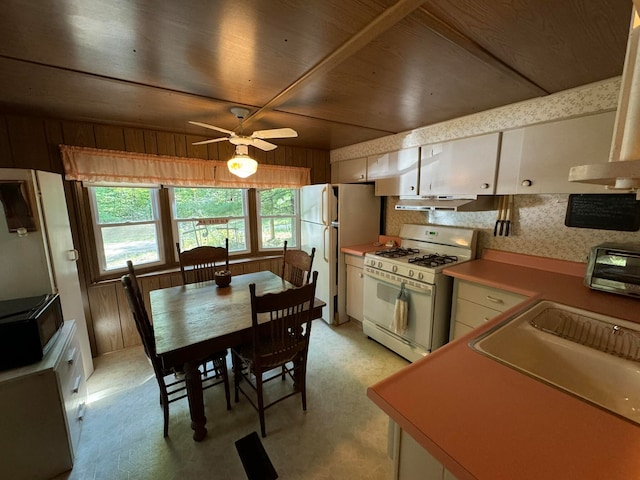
column 262, row 145
column 211, row 127
column 275, row 133
column 212, row 140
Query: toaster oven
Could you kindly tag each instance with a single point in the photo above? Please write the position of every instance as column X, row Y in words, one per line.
column 615, row 268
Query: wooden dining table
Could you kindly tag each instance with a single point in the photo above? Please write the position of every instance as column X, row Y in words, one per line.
column 191, row 322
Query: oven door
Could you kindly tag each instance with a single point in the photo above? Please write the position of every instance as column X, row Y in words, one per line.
column 380, row 296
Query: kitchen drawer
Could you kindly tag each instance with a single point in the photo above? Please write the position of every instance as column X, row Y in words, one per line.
column 75, row 394
column 460, row 329
column 473, row 315
column 489, row 297
column 69, row 360
column 355, row 260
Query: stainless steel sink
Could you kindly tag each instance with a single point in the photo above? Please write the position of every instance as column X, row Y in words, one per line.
column 592, row 356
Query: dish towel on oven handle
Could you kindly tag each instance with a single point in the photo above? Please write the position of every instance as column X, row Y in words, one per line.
column 400, row 312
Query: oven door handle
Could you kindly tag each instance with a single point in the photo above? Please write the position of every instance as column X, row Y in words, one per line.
column 426, row 289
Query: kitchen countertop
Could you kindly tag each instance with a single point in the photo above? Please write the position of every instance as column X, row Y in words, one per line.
column 360, row 250
column 483, row 420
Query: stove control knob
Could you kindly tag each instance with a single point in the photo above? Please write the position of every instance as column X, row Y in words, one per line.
column 420, row 276
column 372, row 263
column 395, row 268
column 379, row 264
column 411, row 273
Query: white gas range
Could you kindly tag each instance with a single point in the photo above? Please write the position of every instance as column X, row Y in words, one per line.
column 417, row 266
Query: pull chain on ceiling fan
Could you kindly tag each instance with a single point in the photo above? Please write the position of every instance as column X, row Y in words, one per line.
column 242, row 164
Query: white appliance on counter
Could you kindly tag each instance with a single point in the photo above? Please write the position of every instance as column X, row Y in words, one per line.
column 44, row 260
column 425, row 250
column 331, row 217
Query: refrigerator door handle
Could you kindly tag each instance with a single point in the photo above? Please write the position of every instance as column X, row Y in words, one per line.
column 324, row 244
column 323, row 195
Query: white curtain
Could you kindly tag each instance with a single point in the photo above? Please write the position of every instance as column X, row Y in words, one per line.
column 99, row 165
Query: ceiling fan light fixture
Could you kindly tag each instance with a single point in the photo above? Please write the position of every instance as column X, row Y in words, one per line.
column 241, row 164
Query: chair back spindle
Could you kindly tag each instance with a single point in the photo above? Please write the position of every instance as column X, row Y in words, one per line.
column 201, row 263
column 297, row 265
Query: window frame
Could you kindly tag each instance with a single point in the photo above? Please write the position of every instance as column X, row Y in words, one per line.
column 167, row 235
column 295, row 217
column 246, row 216
column 97, row 227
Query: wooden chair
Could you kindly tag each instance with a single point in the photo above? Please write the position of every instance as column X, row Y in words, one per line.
column 296, row 265
column 201, row 263
column 172, row 387
column 281, row 326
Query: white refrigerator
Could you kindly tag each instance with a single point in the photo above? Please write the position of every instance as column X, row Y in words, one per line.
column 332, row 217
column 43, row 260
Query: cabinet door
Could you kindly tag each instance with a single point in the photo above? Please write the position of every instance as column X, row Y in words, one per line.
column 355, row 292
column 414, row 462
column 350, row 171
column 461, row 167
column 536, row 159
column 395, row 173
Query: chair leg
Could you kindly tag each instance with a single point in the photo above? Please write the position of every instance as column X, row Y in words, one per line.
column 263, row 429
column 165, row 411
column 225, row 380
column 300, row 375
column 236, row 375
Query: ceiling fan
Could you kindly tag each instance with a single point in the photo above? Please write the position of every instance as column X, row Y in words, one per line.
column 256, row 138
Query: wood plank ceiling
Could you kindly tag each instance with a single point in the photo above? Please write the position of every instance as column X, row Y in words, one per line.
column 338, row 71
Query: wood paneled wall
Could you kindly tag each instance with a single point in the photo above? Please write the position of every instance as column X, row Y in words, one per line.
column 32, row 143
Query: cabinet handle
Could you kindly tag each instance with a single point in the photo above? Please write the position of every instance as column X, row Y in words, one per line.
column 493, row 299
column 361, row 176
column 360, row 275
column 412, row 188
column 72, row 355
column 484, row 185
column 486, row 319
column 81, row 408
column 76, row 384
column 526, row 183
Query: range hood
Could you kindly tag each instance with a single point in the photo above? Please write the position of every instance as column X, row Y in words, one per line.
column 473, row 203
column 622, row 171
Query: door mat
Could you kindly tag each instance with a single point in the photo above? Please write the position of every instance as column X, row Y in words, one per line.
column 254, row 458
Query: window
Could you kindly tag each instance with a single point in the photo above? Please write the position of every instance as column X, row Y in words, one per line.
column 126, row 226
column 143, row 223
column 206, row 216
column 277, row 218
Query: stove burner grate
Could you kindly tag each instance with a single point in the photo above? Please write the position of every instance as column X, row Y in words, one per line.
column 433, row 260
column 396, row 252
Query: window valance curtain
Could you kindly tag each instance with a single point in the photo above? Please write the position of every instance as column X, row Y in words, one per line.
column 99, row 165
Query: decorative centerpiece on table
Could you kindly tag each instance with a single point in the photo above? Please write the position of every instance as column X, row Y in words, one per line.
column 223, row 277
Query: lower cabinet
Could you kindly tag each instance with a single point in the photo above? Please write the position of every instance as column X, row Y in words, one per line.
column 474, row 304
column 411, row 461
column 41, row 410
column 355, row 286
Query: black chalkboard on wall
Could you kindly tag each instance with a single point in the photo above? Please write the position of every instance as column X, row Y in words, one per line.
column 604, row 212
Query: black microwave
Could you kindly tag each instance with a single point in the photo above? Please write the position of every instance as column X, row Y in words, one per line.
column 28, row 329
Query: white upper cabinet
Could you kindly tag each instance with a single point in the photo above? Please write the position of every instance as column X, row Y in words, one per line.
column 536, row 159
column 395, row 173
column 349, row 171
column 459, row 167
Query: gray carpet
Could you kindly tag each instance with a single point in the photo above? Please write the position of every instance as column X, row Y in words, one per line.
column 342, row 435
